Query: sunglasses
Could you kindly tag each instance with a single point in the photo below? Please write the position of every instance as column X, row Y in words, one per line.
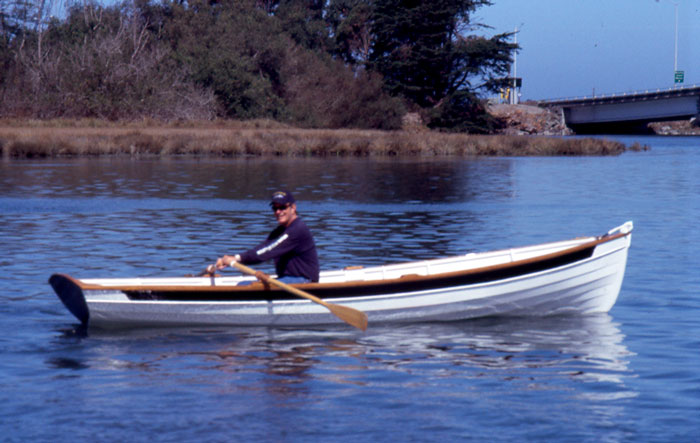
column 276, row 208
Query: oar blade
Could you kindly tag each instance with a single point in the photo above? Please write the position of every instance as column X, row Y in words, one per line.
column 351, row 316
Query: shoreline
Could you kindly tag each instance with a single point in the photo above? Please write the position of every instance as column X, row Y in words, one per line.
column 90, row 138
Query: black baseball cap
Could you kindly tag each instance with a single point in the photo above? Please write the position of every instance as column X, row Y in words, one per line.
column 282, row 198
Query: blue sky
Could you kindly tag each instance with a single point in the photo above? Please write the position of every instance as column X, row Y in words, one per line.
column 575, row 47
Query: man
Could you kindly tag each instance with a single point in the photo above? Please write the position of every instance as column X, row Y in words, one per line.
column 290, row 244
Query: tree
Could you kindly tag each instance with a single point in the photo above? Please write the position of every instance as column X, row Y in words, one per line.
column 317, row 63
column 350, row 23
column 423, row 53
column 19, row 16
column 276, row 65
column 303, row 21
column 100, row 62
column 322, row 92
column 233, row 48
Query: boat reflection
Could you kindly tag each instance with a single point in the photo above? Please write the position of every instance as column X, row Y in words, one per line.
column 550, row 350
column 587, row 347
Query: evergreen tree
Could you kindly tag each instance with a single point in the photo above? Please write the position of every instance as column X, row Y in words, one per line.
column 303, row 21
column 350, row 23
column 423, row 52
column 233, row 48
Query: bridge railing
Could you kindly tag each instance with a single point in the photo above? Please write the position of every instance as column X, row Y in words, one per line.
column 554, row 101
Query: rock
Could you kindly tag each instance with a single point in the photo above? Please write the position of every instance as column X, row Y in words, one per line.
column 680, row 127
column 524, row 119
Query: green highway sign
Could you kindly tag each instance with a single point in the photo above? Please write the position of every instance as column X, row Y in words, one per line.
column 678, row 77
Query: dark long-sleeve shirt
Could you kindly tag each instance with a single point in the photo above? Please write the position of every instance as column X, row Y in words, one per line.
column 292, row 248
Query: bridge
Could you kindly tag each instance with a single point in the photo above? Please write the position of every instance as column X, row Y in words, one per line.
column 627, row 113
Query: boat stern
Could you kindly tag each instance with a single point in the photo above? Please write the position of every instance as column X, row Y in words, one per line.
column 71, row 294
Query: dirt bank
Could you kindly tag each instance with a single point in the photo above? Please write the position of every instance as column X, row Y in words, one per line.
column 526, row 119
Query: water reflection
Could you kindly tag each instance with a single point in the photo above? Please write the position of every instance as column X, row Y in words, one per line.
column 348, row 179
column 65, row 363
column 589, row 347
column 528, row 354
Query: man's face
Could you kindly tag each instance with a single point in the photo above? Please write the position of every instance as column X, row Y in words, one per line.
column 285, row 214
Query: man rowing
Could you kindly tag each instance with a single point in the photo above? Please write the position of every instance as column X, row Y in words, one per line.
column 290, row 245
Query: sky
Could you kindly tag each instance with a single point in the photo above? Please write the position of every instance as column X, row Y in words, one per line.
column 572, row 48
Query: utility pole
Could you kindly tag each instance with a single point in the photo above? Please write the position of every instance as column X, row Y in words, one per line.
column 675, row 43
column 514, row 98
column 677, row 75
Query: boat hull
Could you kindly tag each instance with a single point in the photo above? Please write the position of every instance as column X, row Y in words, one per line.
column 579, row 277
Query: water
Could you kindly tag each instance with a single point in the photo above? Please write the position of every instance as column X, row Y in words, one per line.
column 630, row 375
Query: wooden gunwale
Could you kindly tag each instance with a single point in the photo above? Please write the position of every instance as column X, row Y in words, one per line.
column 355, row 288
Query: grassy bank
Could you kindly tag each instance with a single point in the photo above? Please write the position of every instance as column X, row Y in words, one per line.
column 23, row 139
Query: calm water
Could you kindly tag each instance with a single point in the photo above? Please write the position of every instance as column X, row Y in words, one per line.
column 630, row 375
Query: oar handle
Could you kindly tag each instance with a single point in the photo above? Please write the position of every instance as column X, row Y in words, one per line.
column 210, row 271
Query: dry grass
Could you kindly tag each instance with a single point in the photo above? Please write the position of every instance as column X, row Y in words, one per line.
column 59, row 138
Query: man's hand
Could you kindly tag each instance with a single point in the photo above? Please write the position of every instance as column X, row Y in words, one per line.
column 226, row 261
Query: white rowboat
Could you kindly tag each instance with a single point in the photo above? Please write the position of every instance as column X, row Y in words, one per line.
column 578, row 276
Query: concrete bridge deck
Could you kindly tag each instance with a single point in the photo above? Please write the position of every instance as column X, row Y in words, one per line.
column 627, row 112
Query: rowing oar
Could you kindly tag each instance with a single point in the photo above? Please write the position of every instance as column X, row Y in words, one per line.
column 351, row 316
